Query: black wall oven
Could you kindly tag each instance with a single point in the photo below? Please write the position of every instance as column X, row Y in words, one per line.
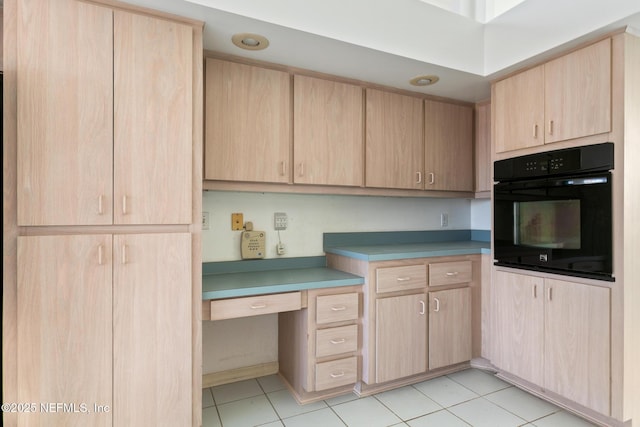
column 552, row 212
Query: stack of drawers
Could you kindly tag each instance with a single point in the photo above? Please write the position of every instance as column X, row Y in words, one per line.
column 336, row 343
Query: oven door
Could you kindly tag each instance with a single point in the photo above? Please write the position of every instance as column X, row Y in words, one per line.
column 560, row 225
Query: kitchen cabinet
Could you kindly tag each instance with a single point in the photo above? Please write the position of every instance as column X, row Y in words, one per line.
column 319, row 345
column 566, row 98
column 448, row 146
column 394, row 155
column 555, row 334
column 92, row 316
column 450, row 312
column 327, row 132
column 248, row 117
column 103, row 131
column 401, row 337
column 483, row 163
column 65, row 327
column 92, row 131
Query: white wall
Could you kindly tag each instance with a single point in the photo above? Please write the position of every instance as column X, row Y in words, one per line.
column 312, row 215
column 481, row 214
column 253, row 340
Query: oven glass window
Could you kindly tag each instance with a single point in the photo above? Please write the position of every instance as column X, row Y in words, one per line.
column 547, row 224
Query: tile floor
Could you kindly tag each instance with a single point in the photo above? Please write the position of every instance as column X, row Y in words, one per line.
column 467, row 398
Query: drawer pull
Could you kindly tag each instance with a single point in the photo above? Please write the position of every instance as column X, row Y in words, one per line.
column 403, row 279
column 258, row 306
column 452, row 273
column 337, row 375
column 338, row 308
column 340, row 341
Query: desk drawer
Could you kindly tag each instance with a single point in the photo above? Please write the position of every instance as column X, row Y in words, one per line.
column 254, row 306
column 392, row 279
column 336, row 308
column 449, row 273
column 336, row 373
column 332, row 341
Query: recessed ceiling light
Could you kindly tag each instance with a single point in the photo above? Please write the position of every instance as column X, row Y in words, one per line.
column 250, row 41
column 424, row 80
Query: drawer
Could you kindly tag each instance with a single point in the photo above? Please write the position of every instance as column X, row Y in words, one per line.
column 332, row 341
column 336, row 308
column 336, row 373
column 449, row 273
column 255, row 306
column 392, row 279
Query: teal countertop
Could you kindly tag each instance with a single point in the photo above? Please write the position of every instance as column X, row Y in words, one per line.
column 411, row 250
column 239, row 284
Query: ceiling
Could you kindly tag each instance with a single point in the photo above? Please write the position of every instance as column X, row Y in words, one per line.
column 389, row 42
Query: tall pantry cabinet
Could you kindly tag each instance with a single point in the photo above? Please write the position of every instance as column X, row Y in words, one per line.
column 102, row 173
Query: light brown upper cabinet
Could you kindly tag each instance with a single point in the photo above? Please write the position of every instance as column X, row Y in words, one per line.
column 96, row 138
column 327, row 132
column 248, row 123
column 566, row 98
column 394, row 140
column 153, row 123
column 448, row 146
column 483, row 165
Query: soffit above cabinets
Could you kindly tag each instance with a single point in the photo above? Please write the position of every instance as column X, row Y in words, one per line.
column 389, row 42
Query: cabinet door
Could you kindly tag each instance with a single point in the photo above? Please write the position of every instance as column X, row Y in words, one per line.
column 327, row 132
column 518, row 308
column 577, row 343
column 153, row 120
column 448, row 146
column 151, row 312
column 449, row 327
column 64, row 329
column 64, row 99
column 394, row 141
column 578, row 93
column 518, row 107
column 401, row 337
column 483, row 165
column 248, row 123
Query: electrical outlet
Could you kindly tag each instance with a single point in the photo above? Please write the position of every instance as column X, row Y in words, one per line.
column 280, row 221
column 205, row 220
column 444, row 219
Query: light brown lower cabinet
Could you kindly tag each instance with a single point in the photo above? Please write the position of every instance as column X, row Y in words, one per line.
column 101, row 321
column 401, row 336
column 319, row 345
column 555, row 334
column 449, row 327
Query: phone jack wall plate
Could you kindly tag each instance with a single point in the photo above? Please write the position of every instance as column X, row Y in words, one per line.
column 280, row 221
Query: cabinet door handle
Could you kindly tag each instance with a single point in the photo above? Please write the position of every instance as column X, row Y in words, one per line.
column 418, row 177
column 452, row 273
column 403, row 279
column 535, row 131
column 423, row 307
column 550, row 293
column 100, row 204
column 550, row 127
column 339, row 341
column 124, row 205
column 432, row 178
column 337, row 374
column 437, row 301
column 338, row 308
column 258, row 306
column 301, row 169
column 535, row 291
column 283, row 168
column 124, row 254
column 100, row 260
